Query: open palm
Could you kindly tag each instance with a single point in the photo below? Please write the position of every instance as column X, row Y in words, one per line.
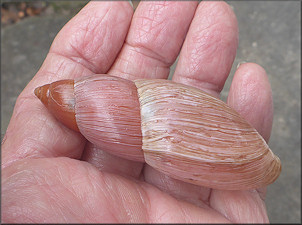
column 51, row 174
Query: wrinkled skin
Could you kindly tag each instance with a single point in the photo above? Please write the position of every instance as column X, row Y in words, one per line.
column 51, row 174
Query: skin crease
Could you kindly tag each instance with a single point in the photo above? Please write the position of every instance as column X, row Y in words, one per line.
column 44, row 176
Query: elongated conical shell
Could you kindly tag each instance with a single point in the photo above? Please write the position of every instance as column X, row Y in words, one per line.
column 197, row 138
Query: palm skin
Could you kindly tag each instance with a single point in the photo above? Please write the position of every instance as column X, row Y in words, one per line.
column 51, row 174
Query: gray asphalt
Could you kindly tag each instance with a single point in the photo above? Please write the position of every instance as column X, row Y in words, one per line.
column 269, row 34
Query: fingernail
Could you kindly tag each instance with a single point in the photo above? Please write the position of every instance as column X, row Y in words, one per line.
column 239, row 64
column 130, row 3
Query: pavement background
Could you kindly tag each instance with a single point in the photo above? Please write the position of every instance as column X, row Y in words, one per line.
column 269, row 34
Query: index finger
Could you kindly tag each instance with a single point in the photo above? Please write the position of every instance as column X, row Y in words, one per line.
column 87, row 44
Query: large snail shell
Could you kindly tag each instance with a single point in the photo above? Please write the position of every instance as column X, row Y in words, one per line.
column 195, row 137
column 184, row 132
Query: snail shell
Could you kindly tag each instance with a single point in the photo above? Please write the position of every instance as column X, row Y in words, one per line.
column 177, row 129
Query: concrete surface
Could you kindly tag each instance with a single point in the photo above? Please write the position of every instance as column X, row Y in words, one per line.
column 269, row 35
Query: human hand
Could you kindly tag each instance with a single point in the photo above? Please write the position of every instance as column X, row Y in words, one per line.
column 50, row 175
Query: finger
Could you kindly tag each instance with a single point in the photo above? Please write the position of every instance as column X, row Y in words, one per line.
column 107, row 162
column 88, row 43
column 85, row 45
column 204, row 62
column 181, row 190
column 155, row 36
column 250, row 94
column 95, row 36
column 64, row 190
column 210, row 47
column 240, row 206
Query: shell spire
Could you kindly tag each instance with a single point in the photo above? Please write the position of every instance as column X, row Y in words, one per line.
column 58, row 97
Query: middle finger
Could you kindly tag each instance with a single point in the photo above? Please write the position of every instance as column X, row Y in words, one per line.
column 155, row 36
